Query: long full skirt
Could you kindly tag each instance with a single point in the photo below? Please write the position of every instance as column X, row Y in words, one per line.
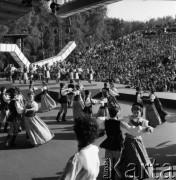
column 134, row 160
column 47, row 103
column 162, row 113
column 78, row 107
column 152, row 115
column 37, row 130
column 103, row 112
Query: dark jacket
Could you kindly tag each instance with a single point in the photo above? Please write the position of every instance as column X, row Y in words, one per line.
column 114, row 140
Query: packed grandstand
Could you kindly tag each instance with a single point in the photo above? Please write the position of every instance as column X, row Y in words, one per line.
column 143, row 58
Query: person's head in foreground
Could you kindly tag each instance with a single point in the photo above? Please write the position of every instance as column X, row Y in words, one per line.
column 137, row 110
column 87, row 93
column 86, row 131
column 30, row 96
column 113, row 112
column 13, row 93
column 62, row 85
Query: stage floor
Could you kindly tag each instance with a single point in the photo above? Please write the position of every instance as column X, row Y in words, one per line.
column 47, row 161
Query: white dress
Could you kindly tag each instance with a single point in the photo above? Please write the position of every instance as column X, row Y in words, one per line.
column 48, row 74
column 36, row 129
column 84, row 165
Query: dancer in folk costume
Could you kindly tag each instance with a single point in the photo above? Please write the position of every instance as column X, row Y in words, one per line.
column 103, row 110
column 151, row 113
column 5, row 100
column 32, row 88
column 76, row 75
column 113, row 98
column 58, row 74
column 91, row 73
column 71, row 73
column 139, row 95
column 162, row 113
column 14, row 118
column 113, row 91
column 37, row 131
column 47, row 103
column 88, row 102
column 47, row 71
column 21, row 100
column 25, row 75
column 78, row 103
column 134, row 151
column 63, row 101
column 71, row 86
column 105, row 88
column 85, row 164
column 80, row 86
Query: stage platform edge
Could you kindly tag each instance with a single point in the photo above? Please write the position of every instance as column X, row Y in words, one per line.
column 168, row 99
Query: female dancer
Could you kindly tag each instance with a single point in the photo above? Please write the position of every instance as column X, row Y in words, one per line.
column 103, row 110
column 71, row 86
column 37, row 131
column 134, row 158
column 5, row 100
column 113, row 91
column 47, row 74
column 151, row 112
column 88, row 102
column 47, row 103
column 138, row 95
column 78, row 104
column 84, row 165
column 163, row 114
column 32, row 88
column 21, row 100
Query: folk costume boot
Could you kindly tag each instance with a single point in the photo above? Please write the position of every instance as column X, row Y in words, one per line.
column 13, row 140
column 63, row 117
column 8, row 140
column 58, row 116
column 5, row 127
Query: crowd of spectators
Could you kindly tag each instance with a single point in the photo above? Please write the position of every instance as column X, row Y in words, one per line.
column 135, row 60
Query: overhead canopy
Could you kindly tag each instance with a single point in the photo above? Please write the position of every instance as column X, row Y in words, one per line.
column 14, row 9
column 78, row 6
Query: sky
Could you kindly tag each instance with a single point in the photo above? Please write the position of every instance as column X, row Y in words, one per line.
column 142, row 10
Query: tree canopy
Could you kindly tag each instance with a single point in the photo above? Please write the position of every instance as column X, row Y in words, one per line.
column 47, row 33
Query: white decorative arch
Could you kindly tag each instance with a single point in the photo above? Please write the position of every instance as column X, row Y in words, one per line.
column 20, row 58
column 16, row 53
column 59, row 57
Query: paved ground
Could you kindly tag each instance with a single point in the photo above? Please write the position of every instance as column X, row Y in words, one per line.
column 46, row 162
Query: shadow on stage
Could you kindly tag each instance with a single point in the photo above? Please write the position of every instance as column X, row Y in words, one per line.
column 46, row 178
column 69, row 118
column 100, row 175
column 64, row 136
column 68, row 128
column 164, row 154
column 20, row 143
